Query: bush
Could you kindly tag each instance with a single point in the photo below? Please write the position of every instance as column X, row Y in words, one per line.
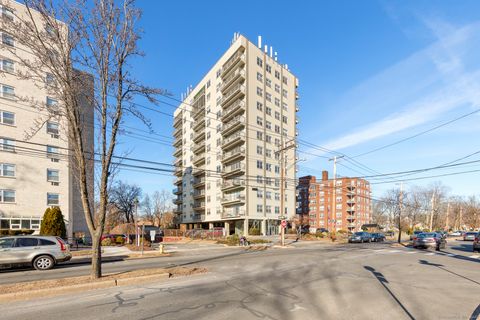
column 291, row 231
column 120, row 240
column 107, row 242
column 258, row 241
column 254, row 232
column 341, row 231
column 9, row 232
column 233, row 240
column 53, row 223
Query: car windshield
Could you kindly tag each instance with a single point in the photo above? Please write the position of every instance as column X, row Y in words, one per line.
column 358, row 233
column 417, row 232
column 471, row 233
column 6, row 242
column 426, row 235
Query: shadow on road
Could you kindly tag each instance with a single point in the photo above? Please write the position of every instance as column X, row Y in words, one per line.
column 383, row 281
column 463, row 247
column 442, row 267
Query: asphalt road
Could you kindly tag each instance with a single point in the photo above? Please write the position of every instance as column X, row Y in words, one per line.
column 357, row 281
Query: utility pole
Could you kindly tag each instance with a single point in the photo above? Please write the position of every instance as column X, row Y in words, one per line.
column 333, row 206
column 283, row 161
column 431, row 211
column 400, row 205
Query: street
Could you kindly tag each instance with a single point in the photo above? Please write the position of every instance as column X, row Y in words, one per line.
column 309, row 281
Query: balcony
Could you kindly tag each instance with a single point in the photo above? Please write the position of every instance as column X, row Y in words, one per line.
column 238, row 107
column 199, row 112
column 233, row 140
column 178, row 133
column 199, row 135
column 199, row 217
column 235, row 77
column 177, row 191
column 199, row 205
column 198, row 194
column 237, row 59
column 199, row 182
column 199, row 147
column 178, row 201
column 198, row 171
column 233, row 125
column 199, row 159
column 233, row 213
column 177, row 121
column 178, row 181
column 351, row 218
column 236, row 91
column 178, row 142
column 178, row 171
column 351, row 201
column 178, row 162
column 351, row 209
column 177, row 152
column 235, row 154
column 233, row 169
column 199, row 124
column 177, row 210
column 231, row 199
column 232, row 184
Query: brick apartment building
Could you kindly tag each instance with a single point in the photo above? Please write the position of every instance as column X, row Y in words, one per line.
column 352, row 208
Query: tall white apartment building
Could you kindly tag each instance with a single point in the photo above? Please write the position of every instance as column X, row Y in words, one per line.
column 235, row 135
column 36, row 169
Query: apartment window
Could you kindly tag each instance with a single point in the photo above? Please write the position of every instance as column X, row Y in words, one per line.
column 259, row 135
column 259, row 194
column 208, row 135
column 268, row 111
column 7, row 170
column 284, row 93
column 277, row 74
column 259, row 62
column 7, row 65
column 277, row 210
column 260, row 121
column 268, row 195
column 208, row 84
column 277, row 169
column 285, row 106
column 284, row 119
column 268, row 68
column 7, row 118
column 260, row 92
column 277, row 143
column 268, row 153
column 219, row 71
column 52, row 103
column 285, row 132
column 219, row 127
column 8, row 92
column 277, row 196
column 8, row 40
column 53, row 175
column 259, row 208
column 259, row 77
column 7, row 144
column 49, row 79
column 7, row 13
column 268, row 96
column 259, row 150
column 277, row 88
column 268, row 125
column 52, row 152
column 268, row 181
column 7, row 196
column 268, row 138
column 53, row 199
column 259, row 164
column 52, row 127
column 285, row 80
column 277, row 128
column 259, row 106
column 277, row 102
column 268, row 209
column 259, row 179
column 277, row 115
column 268, row 166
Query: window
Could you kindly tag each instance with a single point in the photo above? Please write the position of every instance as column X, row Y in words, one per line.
column 268, row 167
column 52, row 152
column 277, row 74
column 277, row 169
column 268, row 68
column 53, row 199
column 45, row 242
column 268, row 111
column 277, row 210
column 268, row 209
column 259, row 164
column 277, row 115
column 285, row 80
column 26, row 242
column 259, row 150
column 285, row 106
column 277, row 128
column 7, row 196
column 7, row 65
column 7, row 144
column 8, row 92
column 268, row 82
column 259, row 91
column 284, row 93
column 8, row 242
column 7, row 118
column 52, row 103
column 260, row 121
column 259, row 179
column 259, row 135
column 277, row 196
column 53, row 175
column 259, row 106
column 268, row 125
column 259, row 77
column 259, row 208
column 52, row 127
column 277, row 88
column 277, row 102
column 259, row 194
column 268, row 96
column 268, row 195
column 7, row 170
column 284, row 119
column 7, row 13
column 208, row 84
column 259, row 62
column 219, row 71
column 8, row 40
column 268, row 138
column 268, row 153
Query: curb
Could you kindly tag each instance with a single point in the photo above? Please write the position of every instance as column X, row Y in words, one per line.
column 102, row 284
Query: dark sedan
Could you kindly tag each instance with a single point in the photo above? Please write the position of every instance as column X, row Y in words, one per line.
column 360, row 237
column 378, row 237
column 430, row 240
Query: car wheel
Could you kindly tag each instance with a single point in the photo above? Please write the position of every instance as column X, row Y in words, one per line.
column 43, row 263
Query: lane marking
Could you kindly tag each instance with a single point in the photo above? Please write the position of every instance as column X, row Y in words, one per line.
column 430, row 254
column 474, row 256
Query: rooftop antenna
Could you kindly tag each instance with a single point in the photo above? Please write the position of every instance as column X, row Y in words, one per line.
column 271, row 51
column 260, row 42
column 266, row 49
column 275, row 54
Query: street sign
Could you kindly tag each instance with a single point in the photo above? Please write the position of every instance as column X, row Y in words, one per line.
column 152, row 235
column 284, row 223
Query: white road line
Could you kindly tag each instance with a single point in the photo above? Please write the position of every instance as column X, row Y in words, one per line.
column 410, row 252
column 450, row 255
column 430, row 254
column 475, row 256
column 393, row 251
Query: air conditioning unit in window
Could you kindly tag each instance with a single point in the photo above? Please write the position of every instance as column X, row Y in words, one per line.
column 55, row 160
column 55, row 183
column 55, row 136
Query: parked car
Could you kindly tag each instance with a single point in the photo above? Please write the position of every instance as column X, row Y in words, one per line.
column 359, row 237
column 41, row 252
column 415, row 234
column 430, row 240
column 476, row 243
column 469, row 236
column 455, row 234
column 378, row 237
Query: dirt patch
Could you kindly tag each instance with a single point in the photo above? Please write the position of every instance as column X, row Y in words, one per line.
column 66, row 282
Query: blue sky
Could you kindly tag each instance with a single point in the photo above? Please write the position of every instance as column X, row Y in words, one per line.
column 371, row 73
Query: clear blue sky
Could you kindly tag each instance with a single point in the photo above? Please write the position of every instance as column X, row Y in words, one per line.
column 371, row 73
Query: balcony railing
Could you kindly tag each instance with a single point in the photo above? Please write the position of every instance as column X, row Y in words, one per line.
column 233, row 183
column 238, row 56
column 199, row 112
column 178, row 171
column 234, row 168
column 233, row 213
column 238, row 74
column 233, row 140
column 237, row 107
column 178, row 200
column 234, row 123
column 197, row 182
column 178, row 133
column 234, row 92
column 199, row 171
column 199, row 194
column 199, row 124
column 350, row 209
column 177, row 191
column 199, row 205
column 178, row 142
column 233, row 198
column 199, row 147
column 199, row 135
column 236, row 153
column 199, row 159
column 178, row 120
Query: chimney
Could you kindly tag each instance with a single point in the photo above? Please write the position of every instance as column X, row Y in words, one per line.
column 324, row 175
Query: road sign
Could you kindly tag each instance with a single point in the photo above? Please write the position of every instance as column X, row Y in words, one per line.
column 284, row 223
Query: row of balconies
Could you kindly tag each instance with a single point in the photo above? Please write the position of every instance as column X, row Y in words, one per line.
column 231, row 184
column 233, row 125
column 178, row 133
column 236, row 91
column 234, row 169
column 233, row 140
column 200, row 111
column 234, row 198
column 177, row 152
column 199, row 124
column 178, row 142
column 199, row 147
column 234, row 154
column 199, row 135
column 238, row 107
column 178, row 119
column 199, row 159
column 237, row 59
column 237, row 76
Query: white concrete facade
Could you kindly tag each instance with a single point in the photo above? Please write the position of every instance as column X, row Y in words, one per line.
column 228, row 132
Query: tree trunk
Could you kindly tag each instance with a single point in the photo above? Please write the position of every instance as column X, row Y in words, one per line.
column 96, row 271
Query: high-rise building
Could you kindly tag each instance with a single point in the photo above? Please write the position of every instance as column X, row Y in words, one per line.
column 351, row 198
column 235, row 134
column 37, row 169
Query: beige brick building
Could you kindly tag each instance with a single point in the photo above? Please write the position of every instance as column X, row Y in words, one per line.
column 36, row 169
column 228, row 133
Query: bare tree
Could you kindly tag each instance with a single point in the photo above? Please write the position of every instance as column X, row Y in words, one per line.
column 101, row 39
column 162, row 203
column 124, row 196
column 147, row 208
